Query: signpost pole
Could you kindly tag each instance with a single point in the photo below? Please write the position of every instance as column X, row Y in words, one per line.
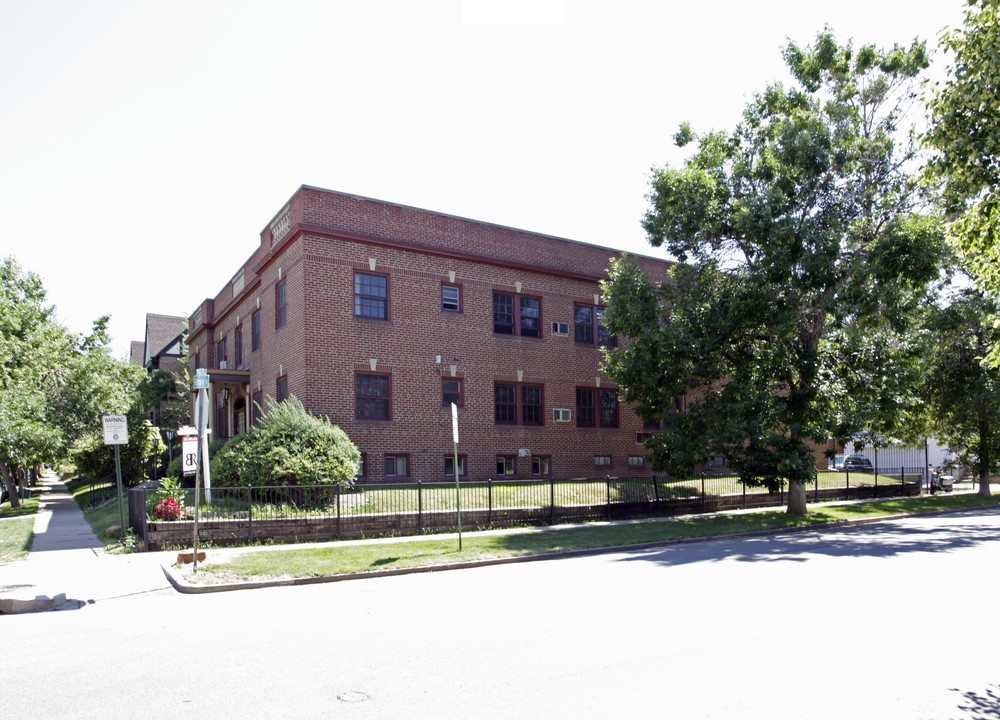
column 116, row 433
column 121, row 498
column 458, row 492
column 200, row 420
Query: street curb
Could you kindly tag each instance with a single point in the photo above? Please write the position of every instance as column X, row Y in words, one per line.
column 183, row 586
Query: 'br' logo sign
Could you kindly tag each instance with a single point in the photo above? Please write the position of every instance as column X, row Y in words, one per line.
column 189, row 453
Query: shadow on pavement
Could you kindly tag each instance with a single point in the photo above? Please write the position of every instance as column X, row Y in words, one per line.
column 872, row 540
column 981, row 706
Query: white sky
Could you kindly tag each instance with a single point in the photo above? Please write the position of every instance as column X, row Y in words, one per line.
column 144, row 145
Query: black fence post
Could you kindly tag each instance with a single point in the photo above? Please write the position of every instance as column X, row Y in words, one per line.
column 552, row 501
column 656, row 493
column 489, row 501
column 607, row 482
column 902, row 478
column 250, row 511
column 744, row 496
column 338, row 511
column 703, row 492
column 847, row 476
column 420, row 507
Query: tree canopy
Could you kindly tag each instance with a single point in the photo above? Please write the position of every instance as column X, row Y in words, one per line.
column 961, row 391
column 965, row 130
column 799, row 236
column 54, row 385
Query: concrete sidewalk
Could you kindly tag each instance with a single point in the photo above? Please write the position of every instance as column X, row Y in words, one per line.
column 68, row 566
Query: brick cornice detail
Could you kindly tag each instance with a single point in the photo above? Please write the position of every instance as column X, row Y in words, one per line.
column 303, row 229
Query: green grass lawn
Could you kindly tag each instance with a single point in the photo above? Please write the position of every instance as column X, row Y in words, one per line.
column 15, row 538
column 101, row 517
column 359, row 558
column 16, row 528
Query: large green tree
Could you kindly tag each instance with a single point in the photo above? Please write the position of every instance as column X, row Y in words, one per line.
column 54, row 385
column 961, row 392
column 965, row 130
column 798, row 227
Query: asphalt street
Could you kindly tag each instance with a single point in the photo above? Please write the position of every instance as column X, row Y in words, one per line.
column 889, row 620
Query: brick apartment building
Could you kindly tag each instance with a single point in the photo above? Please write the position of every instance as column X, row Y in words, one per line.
column 378, row 315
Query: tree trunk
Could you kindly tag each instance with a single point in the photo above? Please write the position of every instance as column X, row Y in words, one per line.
column 984, row 483
column 8, row 481
column 796, row 498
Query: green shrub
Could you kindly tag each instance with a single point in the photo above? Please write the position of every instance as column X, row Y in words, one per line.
column 288, row 447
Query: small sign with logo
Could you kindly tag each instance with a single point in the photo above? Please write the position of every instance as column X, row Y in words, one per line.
column 189, row 454
column 115, row 429
column 200, row 381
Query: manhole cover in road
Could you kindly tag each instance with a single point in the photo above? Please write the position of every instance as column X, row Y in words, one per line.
column 353, row 697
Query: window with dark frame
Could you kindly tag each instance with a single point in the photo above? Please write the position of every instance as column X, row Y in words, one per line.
column 591, row 414
column 220, row 352
column 506, row 466
column 371, row 397
column 609, row 409
column 505, row 403
column 451, row 298
column 602, row 461
column 605, row 338
column 583, row 323
column 371, row 295
column 397, row 465
column 255, row 331
column 587, row 326
column 531, row 404
column 238, row 347
column 503, row 313
column 531, row 317
column 518, row 404
column 517, row 315
column 282, row 388
column 541, row 466
column 362, row 471
column 585, row 408
column 449, row 466
column 451, row 392
column 280, row 305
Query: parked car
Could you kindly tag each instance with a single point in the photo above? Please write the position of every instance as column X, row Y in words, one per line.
column 857, row 463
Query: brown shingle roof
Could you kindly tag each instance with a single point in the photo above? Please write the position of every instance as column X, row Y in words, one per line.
column 162, row 331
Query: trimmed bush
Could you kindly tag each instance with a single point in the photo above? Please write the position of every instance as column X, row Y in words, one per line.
column 288, row 447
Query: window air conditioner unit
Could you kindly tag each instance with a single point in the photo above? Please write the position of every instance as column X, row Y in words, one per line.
column 562, row 414
column 223, row 365
column 560, row 328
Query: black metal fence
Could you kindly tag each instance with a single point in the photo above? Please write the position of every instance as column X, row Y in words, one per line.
column 227, row 515
column 140, row 471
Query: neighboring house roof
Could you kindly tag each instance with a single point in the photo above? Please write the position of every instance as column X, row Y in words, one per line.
column 137, row 352
column 164, row 336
